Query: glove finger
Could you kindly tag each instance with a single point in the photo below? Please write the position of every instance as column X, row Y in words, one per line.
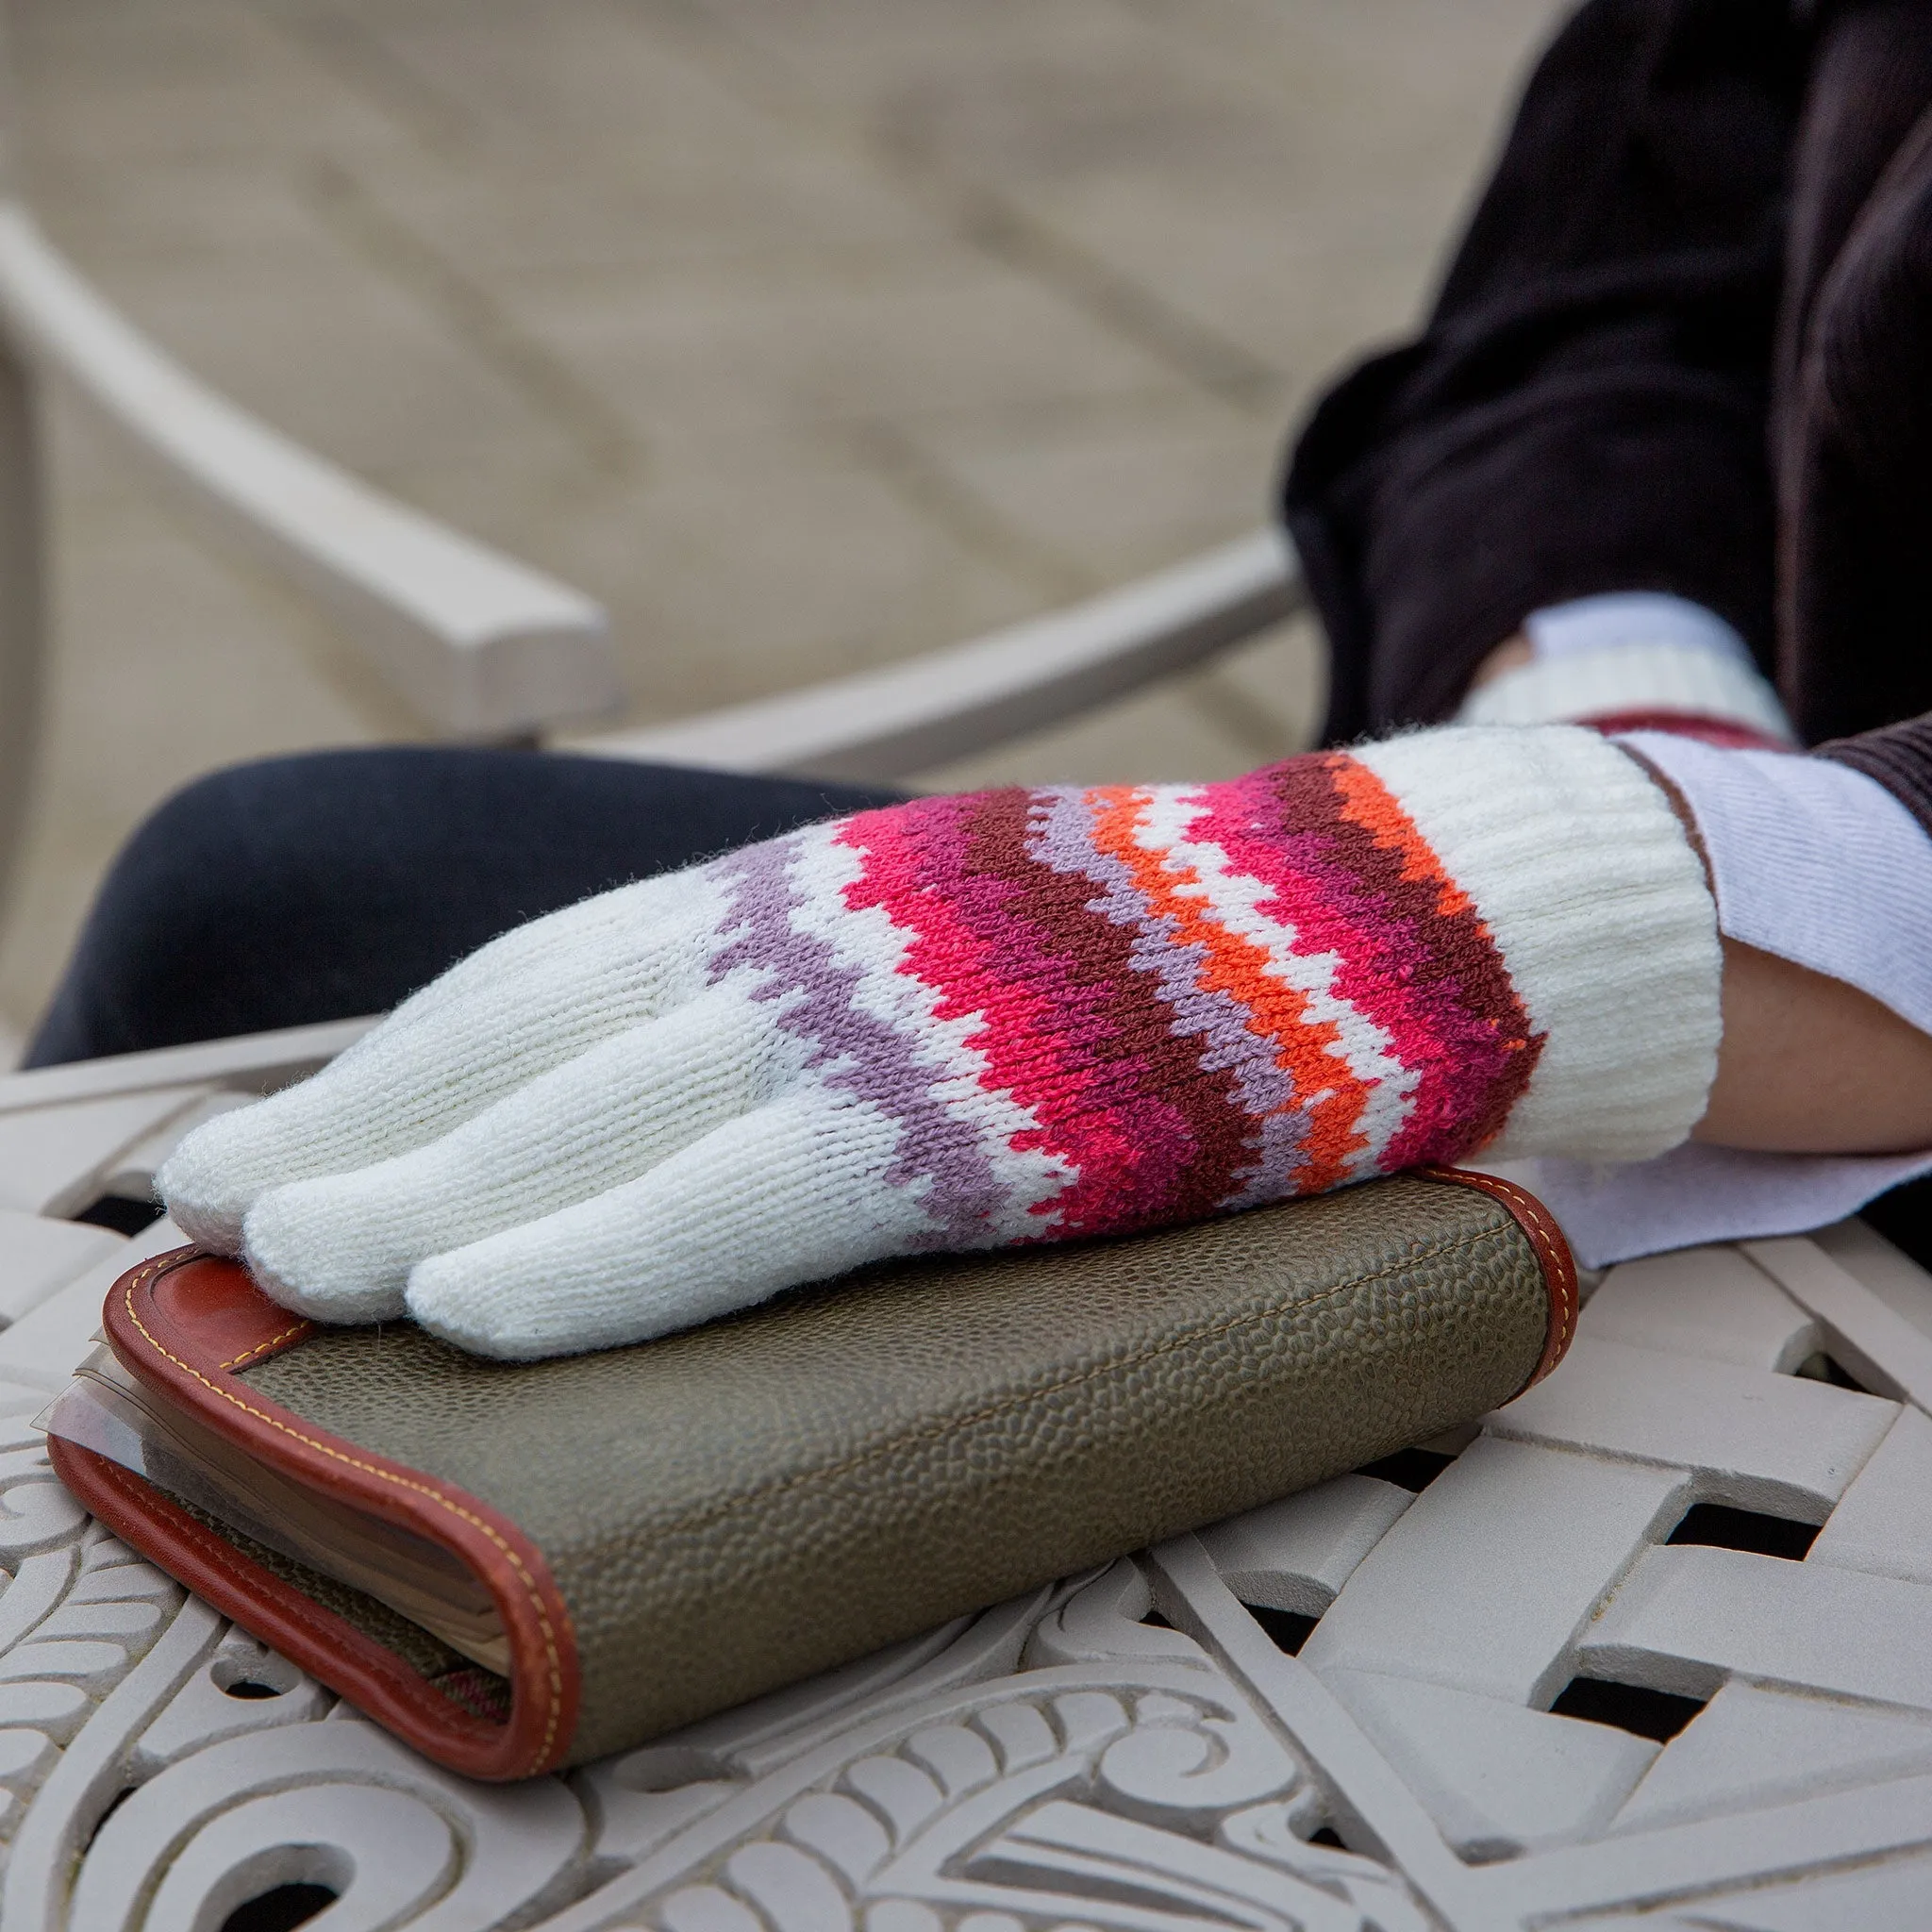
column 794, row 1193
column 531, row 1000
column 340, row 1247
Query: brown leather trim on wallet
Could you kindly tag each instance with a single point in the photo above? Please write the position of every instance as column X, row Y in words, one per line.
column 329, row 1648
column 184, row 1323
column 1553, row 1251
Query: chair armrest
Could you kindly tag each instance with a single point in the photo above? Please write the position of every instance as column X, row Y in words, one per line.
column 950, row 703
column 480, row 646
column 246, row 1063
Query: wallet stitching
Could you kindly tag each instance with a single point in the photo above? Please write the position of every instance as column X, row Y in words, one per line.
column 1527, row 1204
column 1563, row 1300
column 698, row 1518
column 248, row 1354
column 553, row 1702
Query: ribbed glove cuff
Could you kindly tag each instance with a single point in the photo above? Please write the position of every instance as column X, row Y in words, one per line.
column 1589, row 886
column 1627, row 681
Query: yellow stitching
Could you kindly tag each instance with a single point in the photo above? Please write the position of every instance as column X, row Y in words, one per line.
column 1528, row 1205
column 436, row 1495
column 263, row 1347
column 1523, row 1203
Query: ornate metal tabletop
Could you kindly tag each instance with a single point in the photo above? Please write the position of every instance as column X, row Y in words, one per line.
column 1653, row 1643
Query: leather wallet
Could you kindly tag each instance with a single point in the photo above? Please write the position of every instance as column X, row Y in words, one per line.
column 659, row 1532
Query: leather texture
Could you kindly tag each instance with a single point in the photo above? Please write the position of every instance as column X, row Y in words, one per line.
column 729, row 1509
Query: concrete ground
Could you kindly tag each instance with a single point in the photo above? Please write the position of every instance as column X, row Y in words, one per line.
column 805, row 334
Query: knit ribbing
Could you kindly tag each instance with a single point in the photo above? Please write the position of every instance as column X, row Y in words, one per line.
column 1815, row 863
column 1620, row 679
column 1597, row 903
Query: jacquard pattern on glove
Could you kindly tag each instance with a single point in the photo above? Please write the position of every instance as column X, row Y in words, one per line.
column 1005, row 1017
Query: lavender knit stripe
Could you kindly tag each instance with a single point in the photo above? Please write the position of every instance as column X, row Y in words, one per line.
column 871, row 1060
column 1064, row 839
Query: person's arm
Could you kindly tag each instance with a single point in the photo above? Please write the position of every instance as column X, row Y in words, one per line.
column 1012, row 1016
column 1585, row 412
column 1629, row 661
column 1822, row 871
column 1810, row 1065
column 1015, row 1016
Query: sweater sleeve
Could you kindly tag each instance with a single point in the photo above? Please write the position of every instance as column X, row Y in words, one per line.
column 1899, row 756
column 1585, row 409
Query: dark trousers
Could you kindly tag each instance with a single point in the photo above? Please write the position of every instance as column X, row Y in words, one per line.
column 318, row 887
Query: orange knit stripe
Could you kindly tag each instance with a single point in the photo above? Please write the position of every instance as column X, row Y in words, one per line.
column 1232, row 963
column 1367, row 802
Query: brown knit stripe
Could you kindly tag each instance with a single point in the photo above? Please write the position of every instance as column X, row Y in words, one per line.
column 1148, row 1066
column 1437, row 941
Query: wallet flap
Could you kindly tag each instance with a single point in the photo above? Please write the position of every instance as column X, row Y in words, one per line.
column 184, row 1323
column 1552, row 1251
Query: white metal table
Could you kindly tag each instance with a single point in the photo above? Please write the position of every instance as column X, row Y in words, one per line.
column 1333, row 1714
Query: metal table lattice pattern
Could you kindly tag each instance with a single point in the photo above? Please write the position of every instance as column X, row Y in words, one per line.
column 1654, row 1643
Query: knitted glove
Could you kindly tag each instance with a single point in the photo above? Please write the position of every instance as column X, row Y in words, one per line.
column 1014, row 1016
column 1635, row 660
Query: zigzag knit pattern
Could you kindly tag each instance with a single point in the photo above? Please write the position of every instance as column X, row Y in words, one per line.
column 1091, row 1010
column 1014, row 1016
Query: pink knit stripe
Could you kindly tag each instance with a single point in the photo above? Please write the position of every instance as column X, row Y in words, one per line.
column 1327, row 906
column 1414, row 953
column 1051, row 1033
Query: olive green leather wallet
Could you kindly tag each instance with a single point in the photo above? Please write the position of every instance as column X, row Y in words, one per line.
column 612, row 1545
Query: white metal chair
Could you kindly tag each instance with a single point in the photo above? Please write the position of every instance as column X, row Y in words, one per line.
column 1564, row 1669
column 486, row 648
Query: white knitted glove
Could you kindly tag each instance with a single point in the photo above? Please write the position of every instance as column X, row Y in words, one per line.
column 969, row 1022
column 1635, row 660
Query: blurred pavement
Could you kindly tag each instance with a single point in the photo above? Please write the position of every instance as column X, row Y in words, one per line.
column 803, row 333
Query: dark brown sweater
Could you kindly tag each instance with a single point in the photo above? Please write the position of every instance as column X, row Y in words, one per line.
column 1686, row 346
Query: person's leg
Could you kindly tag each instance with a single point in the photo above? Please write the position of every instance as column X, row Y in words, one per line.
column 317, row 887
